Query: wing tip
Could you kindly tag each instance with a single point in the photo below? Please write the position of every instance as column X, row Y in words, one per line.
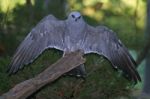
column 135, row 77
column 11, row 70
column 138, row 78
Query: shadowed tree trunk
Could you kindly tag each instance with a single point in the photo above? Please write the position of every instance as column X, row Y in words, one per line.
column 55, row 7
column 2, row 49
column 30, row 9
column 58, row 5
column 146, row 54
column 146, row 88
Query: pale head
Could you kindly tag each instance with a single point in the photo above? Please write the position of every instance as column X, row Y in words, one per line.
column 75, row 16
column 75, row 22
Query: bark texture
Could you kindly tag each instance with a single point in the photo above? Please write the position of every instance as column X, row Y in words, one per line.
column 26, row 88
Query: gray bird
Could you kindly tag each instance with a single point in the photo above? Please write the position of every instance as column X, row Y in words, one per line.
column 70, row 35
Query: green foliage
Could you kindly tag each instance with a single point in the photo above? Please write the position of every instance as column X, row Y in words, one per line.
column 102, row 81
column 4, row 79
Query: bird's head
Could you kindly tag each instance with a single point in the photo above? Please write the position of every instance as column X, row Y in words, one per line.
column 75, row 16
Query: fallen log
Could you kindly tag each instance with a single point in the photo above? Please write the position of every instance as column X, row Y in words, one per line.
column 28, row 87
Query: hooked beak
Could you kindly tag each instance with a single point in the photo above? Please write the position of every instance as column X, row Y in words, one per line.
column 77, row 18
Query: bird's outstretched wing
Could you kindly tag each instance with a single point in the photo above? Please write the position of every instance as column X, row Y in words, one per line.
column 47, row 34
column 104, row 41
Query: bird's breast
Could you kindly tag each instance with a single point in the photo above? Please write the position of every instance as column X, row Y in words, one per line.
column 74, row 37
column 73, row 43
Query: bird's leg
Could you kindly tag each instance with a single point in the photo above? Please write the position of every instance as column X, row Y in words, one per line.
column 78, row 71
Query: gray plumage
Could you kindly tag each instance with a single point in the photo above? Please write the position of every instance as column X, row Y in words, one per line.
column 70, row 35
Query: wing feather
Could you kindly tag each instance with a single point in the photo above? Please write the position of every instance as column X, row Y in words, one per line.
column 104, row 41
column 47, row 34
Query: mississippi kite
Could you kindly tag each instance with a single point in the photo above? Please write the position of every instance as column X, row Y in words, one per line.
column 70, row 35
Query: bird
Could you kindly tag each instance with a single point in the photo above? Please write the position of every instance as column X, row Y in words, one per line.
column 70, row 35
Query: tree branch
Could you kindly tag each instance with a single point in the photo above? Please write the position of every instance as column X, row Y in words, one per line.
column 143, row 52
column 26, row 88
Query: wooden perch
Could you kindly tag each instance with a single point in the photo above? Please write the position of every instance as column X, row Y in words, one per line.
column 26, row 88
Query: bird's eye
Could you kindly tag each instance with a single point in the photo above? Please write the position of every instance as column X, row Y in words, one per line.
column 79, row 17
column 73, row 16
